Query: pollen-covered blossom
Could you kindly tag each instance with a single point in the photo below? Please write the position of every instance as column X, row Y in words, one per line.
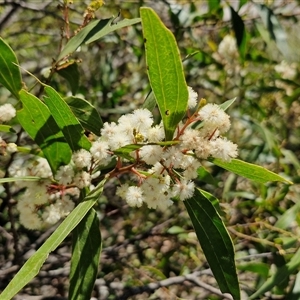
column 82, row 179
column 193, row 97
column 185, row 189
column 7, row 112
column 82, row 158
column 65, row 174
column 99, row 152
column 150, row 154
column 223, row 149
column 132, row 128
column 156, row 133
column 134, row 196
column 213, row 116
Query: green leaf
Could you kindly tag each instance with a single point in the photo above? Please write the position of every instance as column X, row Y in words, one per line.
column 240, row 32
column 6, row 128
column 92, row 32
column 10, row 75
column 165, row 71
column 86, row 114
column 35, row 262
column 250, row 171
column 214, row 201
column 110, row 27
column 286, row 220
column 21, row 178
column 295, row 291
column 126, row 150
column 213, row 5
column 38, row 122
column 71, row 74
column 260, row 268
column 225, row 105
column 281, row 274
column 215, row 242
column 158, row 274
column 82, row 36
column 268, row 136
column 85, row 257
column 150, row 101
column 65, row 119
column 206, row 176
column 276, row 31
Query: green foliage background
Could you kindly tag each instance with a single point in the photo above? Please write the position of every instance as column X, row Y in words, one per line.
column 142, row 246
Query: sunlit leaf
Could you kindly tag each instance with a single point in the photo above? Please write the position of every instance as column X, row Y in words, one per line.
column 215, row 242
column 110, row 27
column 150, row 102
column 86, row 251
column 10, row 75
column 84, row 34
column 71, row 74
column 225, row 105
column 94, row 31
column 86, row 114
column 66, row 120
column 21, row 178
column 38, row 122
column 6, row 128
column 165, row 70
column 250, row 171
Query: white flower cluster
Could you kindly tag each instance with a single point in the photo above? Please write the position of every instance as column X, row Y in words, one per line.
column 7, row 112
column 43, row 203
column 161, row 171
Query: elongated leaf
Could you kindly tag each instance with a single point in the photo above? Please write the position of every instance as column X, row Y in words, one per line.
column 38, row 122
column 150, row 102
column 85, row 257
column 21, row 178
column 35, row 262
column 71, row 74
column 65, row 119
column 279, row 276
column 206, row 176
column 165, row 71
column 240, row 32
column 126, row 150
column 215, row 242
column 295, row 292
column 288, row 218
column 110, row 27
column 94, row 31
column 86, row 114
column 276, row 32
column 225, row 105
column 6, row 128
column 84, row 34
column 10, row 75
column 250, row 171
